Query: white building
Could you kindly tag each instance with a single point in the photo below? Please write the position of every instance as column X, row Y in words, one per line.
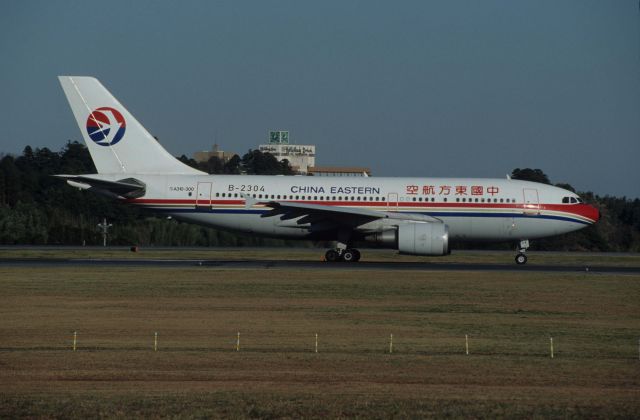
column 300, row 156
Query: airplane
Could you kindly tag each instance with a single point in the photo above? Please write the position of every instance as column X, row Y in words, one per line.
column 416, row 216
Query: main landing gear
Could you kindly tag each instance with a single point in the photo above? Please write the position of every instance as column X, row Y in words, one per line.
column 521, row 258
column 346, row 255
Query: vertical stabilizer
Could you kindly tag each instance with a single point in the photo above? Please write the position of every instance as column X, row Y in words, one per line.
column 118, row 143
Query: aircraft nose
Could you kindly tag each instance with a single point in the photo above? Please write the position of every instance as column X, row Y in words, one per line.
column 588, row 211
column 594, row 213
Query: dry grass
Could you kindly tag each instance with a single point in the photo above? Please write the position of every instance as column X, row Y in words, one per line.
column 594, row 319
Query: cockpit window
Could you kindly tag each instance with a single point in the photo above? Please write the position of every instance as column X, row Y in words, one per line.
column 572, row 200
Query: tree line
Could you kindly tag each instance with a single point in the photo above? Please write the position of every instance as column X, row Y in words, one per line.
column 39, row 209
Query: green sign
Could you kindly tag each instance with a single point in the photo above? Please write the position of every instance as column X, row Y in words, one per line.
column 278, row 137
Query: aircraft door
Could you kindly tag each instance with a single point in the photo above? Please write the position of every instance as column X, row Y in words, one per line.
column 392, row 202
column 203, row 194
column 531, row 201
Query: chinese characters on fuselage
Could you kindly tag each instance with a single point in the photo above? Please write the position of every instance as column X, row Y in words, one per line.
column 460, row 190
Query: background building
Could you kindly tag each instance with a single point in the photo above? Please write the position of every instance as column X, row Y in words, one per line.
column 205, row 155
column 300, row 156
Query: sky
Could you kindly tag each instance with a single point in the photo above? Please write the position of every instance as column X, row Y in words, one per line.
column 463, row 88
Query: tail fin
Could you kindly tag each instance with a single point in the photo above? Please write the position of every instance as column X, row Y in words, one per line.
column 118, row 143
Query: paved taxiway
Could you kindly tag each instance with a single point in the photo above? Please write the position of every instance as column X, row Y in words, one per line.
column 310, row 265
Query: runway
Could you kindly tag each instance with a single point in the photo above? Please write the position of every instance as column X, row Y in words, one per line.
column 259, row 264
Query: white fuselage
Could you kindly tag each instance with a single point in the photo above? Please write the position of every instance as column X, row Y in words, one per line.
column 473, row 209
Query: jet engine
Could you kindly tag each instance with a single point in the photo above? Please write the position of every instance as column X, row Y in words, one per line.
column 415, row 238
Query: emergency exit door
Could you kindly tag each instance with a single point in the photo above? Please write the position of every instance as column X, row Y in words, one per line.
column 203, row 194
column 531, row 201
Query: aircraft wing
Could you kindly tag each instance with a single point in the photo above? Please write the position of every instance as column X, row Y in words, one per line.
column 339, row 215
column 125, row 188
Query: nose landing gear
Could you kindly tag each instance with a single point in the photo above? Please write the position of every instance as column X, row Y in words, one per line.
column 521, row 258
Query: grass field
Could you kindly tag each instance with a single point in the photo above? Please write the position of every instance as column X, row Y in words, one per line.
column 197, row 372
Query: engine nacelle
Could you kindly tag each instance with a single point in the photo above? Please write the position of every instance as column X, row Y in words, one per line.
column 423, row 239
column 415, row 238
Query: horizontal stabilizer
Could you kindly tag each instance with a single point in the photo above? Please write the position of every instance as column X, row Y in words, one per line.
column 124, row 188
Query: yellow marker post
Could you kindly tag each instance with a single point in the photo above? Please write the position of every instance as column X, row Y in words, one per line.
column 551, row 345
column 238, row 342
column 391, row 344
column 75, row 340
column 155, row 342
column 466, row 343
column 316, row 342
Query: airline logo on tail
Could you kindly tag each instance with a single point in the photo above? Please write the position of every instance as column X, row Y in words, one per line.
column 106, row 126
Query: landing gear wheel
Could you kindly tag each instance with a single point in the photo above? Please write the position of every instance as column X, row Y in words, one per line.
column 351, row 255
column 521, row 259
column 332, row 255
